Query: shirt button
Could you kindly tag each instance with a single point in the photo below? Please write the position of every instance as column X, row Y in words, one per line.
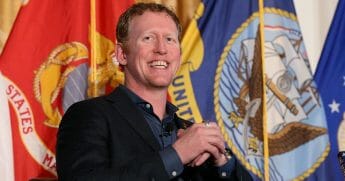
column 148, row 106
column 223, row 174
column 174, row 173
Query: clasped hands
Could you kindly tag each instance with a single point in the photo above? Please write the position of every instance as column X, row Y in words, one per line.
column 199, row 142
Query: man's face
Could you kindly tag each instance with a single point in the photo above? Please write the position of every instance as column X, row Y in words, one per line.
column 153, row 51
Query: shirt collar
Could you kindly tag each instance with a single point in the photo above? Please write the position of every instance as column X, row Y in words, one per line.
column 170, row 108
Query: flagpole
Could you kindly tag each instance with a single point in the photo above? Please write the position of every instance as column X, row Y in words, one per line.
column 264, row 113
column 93, row 42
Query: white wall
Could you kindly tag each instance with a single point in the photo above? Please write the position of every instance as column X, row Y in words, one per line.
column 314, row 18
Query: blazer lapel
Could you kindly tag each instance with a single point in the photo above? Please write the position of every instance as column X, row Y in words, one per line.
column 130, row 112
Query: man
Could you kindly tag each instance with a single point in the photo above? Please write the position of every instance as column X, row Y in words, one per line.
column 134, row 133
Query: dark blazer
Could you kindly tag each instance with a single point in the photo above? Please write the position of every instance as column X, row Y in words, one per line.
column 107, row 138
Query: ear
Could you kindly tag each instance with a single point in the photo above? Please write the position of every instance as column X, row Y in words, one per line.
column 121, row 54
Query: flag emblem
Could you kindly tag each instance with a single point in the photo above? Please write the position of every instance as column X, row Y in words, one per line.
column 295, row 116
column 51, row 77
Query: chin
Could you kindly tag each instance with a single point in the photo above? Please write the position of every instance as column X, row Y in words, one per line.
column 161, row 81
column 161, row 85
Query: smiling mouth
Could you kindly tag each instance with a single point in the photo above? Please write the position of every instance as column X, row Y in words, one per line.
column 159, row 64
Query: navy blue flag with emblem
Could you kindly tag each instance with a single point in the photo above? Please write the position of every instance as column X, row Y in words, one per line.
column 224, row 78
column 330, row 78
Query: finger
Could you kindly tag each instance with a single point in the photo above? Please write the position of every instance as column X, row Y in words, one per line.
column 201, row 159
column 221, row 161
column 192, row 163
column 201, row 129
column 206, row 124
column 211, row 124
column 220, row 144
column 214, row 151
column 217, row 142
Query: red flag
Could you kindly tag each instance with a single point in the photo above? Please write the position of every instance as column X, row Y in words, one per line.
column 45, row 64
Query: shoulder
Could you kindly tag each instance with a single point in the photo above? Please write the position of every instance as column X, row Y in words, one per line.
column 95, row 111
column 91, row 109
column 88, row 105
column 96, row 104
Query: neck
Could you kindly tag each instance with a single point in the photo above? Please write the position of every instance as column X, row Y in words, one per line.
column 157, row 97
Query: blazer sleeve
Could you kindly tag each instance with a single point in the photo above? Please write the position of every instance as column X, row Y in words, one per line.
column 82, row 150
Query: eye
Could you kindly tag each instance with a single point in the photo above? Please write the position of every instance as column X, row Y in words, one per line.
column 148, row 38
column 171, row 39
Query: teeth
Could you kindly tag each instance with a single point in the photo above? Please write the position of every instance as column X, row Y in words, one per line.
column 159, row 63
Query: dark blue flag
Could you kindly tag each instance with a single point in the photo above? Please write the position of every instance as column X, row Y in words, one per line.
column 330, row 78
column 221, row 80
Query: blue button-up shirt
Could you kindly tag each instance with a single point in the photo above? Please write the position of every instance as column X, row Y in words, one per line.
column 164, row 131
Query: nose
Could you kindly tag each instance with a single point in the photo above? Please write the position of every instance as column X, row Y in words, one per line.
column 161, row 47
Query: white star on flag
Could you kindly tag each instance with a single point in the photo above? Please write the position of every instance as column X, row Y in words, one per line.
column 334, row 106
column 344, row 80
